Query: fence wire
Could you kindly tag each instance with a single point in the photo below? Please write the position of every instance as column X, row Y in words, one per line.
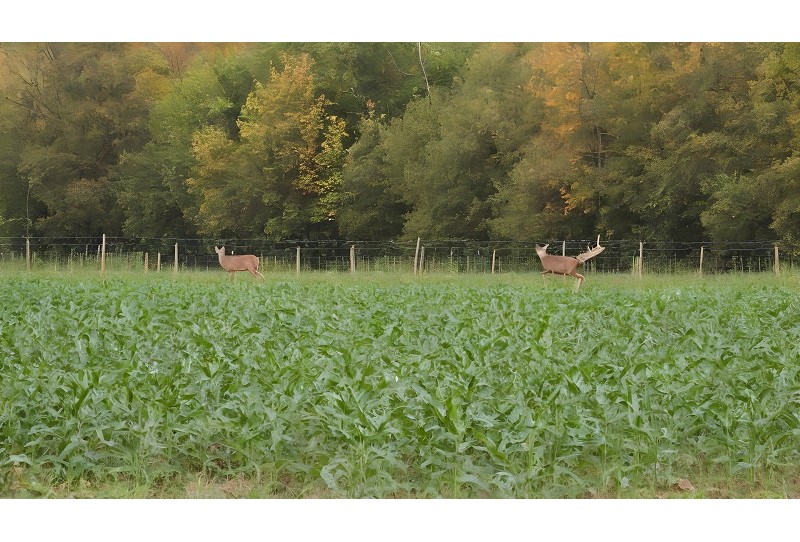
column 434, row 256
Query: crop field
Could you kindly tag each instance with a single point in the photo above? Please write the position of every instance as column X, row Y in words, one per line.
column 334, row 386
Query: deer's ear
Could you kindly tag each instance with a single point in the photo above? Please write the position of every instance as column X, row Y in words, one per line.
column 545, row 247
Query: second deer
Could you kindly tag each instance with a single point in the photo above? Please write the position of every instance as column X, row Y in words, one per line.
column 566, row 265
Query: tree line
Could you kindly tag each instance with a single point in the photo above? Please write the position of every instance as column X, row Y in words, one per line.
column 372, row 141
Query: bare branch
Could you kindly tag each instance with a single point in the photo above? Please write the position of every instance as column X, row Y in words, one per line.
column 421, row 63
column 396, row 66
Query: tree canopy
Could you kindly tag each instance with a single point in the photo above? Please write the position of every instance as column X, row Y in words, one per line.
column 677, row 141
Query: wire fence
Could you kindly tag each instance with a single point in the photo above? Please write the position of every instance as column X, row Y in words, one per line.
column 431, row 256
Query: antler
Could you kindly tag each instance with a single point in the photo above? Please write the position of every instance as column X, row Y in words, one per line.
column 591, row 253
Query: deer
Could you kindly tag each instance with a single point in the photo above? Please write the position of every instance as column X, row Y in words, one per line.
column 566, row 265
column 244, row 262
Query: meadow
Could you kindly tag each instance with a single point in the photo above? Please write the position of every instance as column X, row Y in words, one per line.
column 337, row 385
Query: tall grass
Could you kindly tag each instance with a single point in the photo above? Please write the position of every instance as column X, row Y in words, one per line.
column 507, row 387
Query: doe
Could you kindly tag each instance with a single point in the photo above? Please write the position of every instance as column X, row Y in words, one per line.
column 243, row 262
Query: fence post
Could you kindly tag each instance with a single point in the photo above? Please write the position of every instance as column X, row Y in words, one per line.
column 352, row 258
column 103, row 256
column 494, row 253
column 28, row 253
column 175, row 269
column 298, row 260
column 158, row 263
column 416, row 256
column 701, row 260
column 563, row 248
column 146, row 263
column 421, row 259
column 777, row 262
column 641, row 258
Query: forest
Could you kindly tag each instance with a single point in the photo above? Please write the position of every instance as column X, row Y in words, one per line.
column 390, row 141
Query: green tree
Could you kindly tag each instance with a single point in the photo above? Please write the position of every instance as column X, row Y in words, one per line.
column 776, row 106
column 283, row 178
column 538, row 199
column 737, row 210
column 13, row 188
column 452, row 149
column 208, row 91
column 700, row 137
column 654, row 140
column 83, row 105
column 371, row 206
column 634, row 138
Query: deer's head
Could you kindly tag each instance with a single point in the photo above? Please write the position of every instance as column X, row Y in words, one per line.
column 220, row 250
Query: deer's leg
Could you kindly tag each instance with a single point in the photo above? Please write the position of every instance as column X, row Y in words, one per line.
column 254, row 271
column 579, row 277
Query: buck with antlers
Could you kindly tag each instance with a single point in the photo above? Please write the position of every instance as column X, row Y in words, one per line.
column 244, row 262
column 566, row 265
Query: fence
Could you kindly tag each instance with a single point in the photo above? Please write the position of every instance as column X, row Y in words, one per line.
column 422, row 256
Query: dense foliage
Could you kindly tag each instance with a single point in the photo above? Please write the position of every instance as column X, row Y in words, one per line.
column 379, row 389
column 687, row 141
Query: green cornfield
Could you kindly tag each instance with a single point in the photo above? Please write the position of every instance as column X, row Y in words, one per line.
column 333, row 385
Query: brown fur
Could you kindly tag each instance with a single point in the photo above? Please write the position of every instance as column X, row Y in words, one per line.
column 566, row 265
column 244, row 262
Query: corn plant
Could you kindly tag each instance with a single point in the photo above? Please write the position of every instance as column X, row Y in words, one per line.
column 431, row 388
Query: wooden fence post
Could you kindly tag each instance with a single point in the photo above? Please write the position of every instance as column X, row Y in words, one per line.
column 416, row 256
column 641, row 258
column 352, row 258
column 103, row 256
column 158, row 263
column 701, row 260
column 298, row 260
column 146, row 263
column 175, row 269
column 28, row 253
column 494, row 253
column 563, row 248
